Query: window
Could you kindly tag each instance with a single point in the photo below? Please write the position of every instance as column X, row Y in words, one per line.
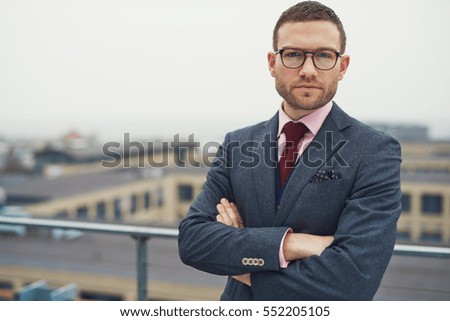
column 160, row 197
column 117, row 209
column 185, row 192
column 147, row 200
column 82, row 213
column 101, row 211
column 6, row 285
column 133, row 205
column 62, row 215
column 97, row 296
column 181, row 154
column 6, row 291
column 431, row 237
column 431, row 204
column 403, row 236
column 406, row 203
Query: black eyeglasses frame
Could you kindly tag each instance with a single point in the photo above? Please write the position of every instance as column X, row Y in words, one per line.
column 305, row 53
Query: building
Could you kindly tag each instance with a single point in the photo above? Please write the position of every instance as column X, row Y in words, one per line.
column 404, row 133
column 78, row 186
column 131, row 182
column 425, row 215
column 141, row 194
column 159, row 196
column 425, row 183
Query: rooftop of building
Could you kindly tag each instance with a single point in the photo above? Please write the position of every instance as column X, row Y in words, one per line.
column 425, row 176
column 27, row 190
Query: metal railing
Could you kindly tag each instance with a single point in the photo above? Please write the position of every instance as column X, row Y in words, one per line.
column 142, row 234
column 139, row 233
column 423, row 251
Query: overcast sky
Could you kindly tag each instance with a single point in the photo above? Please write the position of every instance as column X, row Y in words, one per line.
column 157, row 68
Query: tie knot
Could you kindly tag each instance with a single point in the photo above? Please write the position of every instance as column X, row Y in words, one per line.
column 294, row 131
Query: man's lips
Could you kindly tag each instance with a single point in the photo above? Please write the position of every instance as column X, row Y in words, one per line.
column 308, row 87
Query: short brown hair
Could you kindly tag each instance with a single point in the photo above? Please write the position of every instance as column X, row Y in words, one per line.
column 309, row 11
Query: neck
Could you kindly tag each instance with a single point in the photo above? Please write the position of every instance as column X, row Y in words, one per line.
column 296, row 114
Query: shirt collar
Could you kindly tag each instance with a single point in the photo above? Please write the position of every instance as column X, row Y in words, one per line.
column 313, row 121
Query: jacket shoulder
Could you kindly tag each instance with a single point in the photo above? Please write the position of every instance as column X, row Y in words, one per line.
column 365, row 136
column 250, row 131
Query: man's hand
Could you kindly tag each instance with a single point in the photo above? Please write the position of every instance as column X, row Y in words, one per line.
column 300, row 245
column 229, row 215
column 296, row 246
column 244, row 278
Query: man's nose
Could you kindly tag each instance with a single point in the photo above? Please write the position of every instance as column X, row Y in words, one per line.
column 308, row 69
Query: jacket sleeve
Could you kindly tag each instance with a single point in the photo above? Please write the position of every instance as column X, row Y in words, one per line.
column 354, row 264
column 215, row 248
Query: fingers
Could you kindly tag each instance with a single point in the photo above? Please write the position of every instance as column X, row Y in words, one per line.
column 328, row 240
column 324, row 242
column 245, row 278
column 223, row 216
column 220, row 219
column 239, row 218
column 229, row 214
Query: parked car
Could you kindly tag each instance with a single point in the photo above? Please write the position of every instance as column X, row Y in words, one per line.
column 66, row 234
column 13, row 211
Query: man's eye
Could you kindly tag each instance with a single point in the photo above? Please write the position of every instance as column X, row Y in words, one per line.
column 294, row 54
column 324, row 55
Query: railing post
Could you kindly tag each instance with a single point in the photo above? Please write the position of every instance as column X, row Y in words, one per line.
column 141, row 247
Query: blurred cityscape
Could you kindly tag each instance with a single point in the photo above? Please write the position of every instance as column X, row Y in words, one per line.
column 66, row 179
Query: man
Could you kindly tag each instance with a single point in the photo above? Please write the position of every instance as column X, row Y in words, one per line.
column 305, row 205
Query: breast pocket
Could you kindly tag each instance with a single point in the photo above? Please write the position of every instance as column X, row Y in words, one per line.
column 319, row 206
column 325, row 188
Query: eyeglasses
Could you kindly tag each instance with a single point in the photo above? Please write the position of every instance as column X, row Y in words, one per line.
column 295, row 58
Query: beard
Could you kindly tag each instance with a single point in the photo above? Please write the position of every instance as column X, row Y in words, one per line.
column 306, row 101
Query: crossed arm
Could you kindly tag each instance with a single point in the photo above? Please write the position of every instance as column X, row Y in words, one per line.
column 351, row 268
column 296, row 246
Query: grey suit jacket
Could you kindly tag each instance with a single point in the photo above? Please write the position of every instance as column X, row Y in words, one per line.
column 360, row 206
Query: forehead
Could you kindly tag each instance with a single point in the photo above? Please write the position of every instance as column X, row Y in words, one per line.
column 309, row 35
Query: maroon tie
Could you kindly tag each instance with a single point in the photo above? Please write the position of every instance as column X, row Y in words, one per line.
column 294, row 133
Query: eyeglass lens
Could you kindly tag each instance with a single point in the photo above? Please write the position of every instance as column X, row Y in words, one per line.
column 324, row 59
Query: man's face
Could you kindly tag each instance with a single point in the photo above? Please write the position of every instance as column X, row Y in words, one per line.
column 307, row 88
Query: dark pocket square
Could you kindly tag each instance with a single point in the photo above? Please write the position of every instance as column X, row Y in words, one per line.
column 325, row 175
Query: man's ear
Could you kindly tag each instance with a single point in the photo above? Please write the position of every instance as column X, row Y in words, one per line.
column 345, row 61
column 271, row 59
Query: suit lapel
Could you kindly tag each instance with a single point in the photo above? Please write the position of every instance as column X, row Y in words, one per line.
column 312, row 159
column 263, row 175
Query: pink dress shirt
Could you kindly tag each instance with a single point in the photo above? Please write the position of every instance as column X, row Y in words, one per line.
column 313, row 121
